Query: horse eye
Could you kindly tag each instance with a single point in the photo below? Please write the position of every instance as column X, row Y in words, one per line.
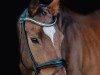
column 34, row 40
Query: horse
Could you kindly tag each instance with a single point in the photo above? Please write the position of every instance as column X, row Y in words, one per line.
column 38, row 38
column 74, row 38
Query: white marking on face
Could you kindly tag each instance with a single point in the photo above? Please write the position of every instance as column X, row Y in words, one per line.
column 50, row 31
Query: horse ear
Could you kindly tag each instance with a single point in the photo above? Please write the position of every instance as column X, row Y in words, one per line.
column 53, row 7
column 33, row 7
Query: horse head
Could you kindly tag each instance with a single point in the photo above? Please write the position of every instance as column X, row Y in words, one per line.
column 40, row 40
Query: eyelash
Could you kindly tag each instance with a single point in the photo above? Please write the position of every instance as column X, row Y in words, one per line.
column 35, row 40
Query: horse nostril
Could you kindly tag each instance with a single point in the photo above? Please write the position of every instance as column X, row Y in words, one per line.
column 35, row 40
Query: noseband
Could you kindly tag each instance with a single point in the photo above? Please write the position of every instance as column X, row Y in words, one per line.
column 59, row 62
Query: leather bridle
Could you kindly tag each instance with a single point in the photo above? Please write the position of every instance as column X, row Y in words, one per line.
column 59, row 62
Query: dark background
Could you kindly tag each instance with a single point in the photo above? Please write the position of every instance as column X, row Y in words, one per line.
column 82, row 6
column 9, row 47
column 10, row 11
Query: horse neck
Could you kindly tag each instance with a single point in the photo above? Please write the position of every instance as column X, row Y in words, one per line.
column 81, row 42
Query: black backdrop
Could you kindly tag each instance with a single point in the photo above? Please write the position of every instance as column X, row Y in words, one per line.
column 11, row 11
column 9, row 48
column 82, row 6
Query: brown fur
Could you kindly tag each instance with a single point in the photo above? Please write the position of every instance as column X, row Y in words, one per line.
column 81, row 44
column 53, row 8
column 42, row 52
column 77, row 36
column 33, row 7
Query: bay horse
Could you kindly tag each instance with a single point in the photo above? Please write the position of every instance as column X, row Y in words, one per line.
column 74, row 39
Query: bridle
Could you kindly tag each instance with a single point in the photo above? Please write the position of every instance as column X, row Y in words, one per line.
column 59, row 62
